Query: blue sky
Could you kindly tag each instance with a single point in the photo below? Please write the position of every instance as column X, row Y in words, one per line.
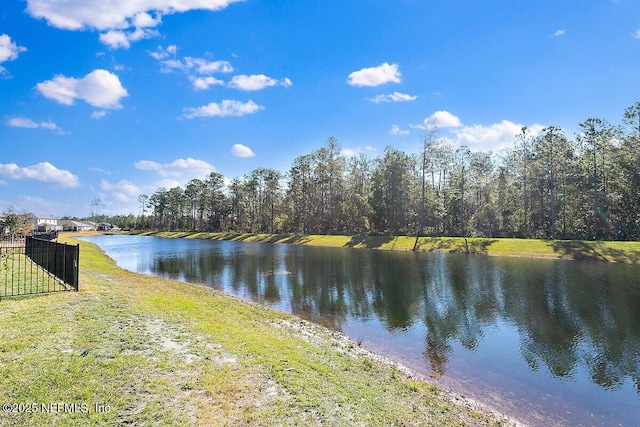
column 109, row 99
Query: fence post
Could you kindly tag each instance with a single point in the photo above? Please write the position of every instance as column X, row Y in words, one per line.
column 76, row 268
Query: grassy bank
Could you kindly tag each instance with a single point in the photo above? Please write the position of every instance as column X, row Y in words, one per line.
column 627, row 252
column 134, row 350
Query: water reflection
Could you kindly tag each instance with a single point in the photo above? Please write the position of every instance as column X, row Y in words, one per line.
column 572, row 320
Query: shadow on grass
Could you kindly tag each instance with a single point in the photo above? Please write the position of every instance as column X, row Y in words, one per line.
column 292, row 238
column 253, row 237
column 592, row 251
column 275, row 238
column 458, row 245
column 480, row 246
column 368, row 241
column 224, row 236
column 180, row 235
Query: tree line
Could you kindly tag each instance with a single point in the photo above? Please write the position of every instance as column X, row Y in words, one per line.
column 546, row 186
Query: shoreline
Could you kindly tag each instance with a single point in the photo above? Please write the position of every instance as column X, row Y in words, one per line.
column 467, row 390
column 152, row 349
column 497, row 406
column 572, row 250
column 311, row 331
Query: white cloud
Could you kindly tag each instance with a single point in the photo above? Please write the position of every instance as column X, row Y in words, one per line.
column 9, row 50
column 395, row 130
column 442, row 119
column 140, row 34
column 394, row 97
column 123, row 191
column 144, row 20
column 239, row 150
column 100, row 170
column 162, row 53
column 198, row 70
column 49, row 125
column 43, row 172
column 100, row 88
column 109, row 14
column 256, row 82
column 476, row 137
column 350, row 152
column 24, row 122
column 106, row 15
column 204, row 83
column 636, row 34
column 116, row 39
column 375, row 76
column 179, row 168
column 559, row 33
column 224, row 109
column 203, row 66
column 492, row 137
column 197, row 65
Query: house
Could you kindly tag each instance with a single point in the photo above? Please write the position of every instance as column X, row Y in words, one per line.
column 70, row 225
column 104, row 226
column 43, row 223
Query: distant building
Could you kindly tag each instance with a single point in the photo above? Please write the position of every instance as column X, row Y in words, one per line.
column 70, row 225
column 104, row 226
column 43, row 223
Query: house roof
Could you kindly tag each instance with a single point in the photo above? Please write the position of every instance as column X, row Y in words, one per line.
column 38, row 216
column 74, row 223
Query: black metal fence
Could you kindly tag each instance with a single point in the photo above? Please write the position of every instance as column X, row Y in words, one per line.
column 34, row 266
column 45, row 235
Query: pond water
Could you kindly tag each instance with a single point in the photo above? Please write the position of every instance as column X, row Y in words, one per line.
column 548, row 342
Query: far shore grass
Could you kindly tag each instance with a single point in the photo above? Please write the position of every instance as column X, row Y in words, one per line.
column 607, row 251
column 129, row 349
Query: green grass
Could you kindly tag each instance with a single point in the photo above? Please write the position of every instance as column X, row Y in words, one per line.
column 21, row 276
column 627, row 252
column 163, row 353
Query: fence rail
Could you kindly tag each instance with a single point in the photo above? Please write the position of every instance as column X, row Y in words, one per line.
column 34, row 266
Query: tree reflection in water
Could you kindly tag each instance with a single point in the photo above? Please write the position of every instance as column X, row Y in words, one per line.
column 567, row 314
